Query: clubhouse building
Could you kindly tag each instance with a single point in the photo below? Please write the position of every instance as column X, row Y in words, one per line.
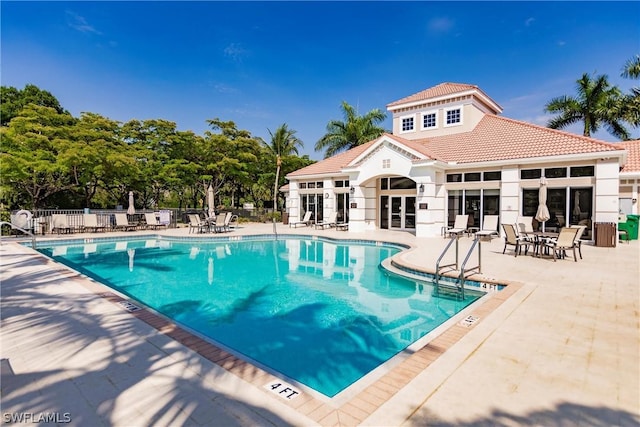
column 452, row 153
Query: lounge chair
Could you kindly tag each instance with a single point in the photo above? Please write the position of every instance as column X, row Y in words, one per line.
column 197, row 224
column 90, row 222
column 489, row 227
column 122, row 223
column 330, row 222
column 459, row 226
column 233, row 222
column 566, row 240
column 60, row 223
column 306, row 220
column 152, row 221
column 512, row 239
column 227, row 221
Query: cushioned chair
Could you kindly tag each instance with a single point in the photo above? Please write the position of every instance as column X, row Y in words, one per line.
column 90, row 222
column 581, row 230
column 122, row 223
column 152, row 221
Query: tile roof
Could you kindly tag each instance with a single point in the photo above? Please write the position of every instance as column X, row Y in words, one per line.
column 333, row 164
column 495, row 138
column 500, row 138
column 633, row 155
column 443, row 89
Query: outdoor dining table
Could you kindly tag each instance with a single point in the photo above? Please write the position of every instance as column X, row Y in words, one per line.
column 539, row 239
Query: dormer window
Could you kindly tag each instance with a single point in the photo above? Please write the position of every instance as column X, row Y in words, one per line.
column 430, row 120
column 407, row 124
column 453, row 117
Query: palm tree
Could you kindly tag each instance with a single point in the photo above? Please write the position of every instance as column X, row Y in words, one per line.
column 283, row 143
column 596, row 104
column 354, row 131
column 631, row 102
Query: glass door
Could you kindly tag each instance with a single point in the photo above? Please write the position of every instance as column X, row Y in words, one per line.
column 409, row 212
column 396, row 212
column 384, row 212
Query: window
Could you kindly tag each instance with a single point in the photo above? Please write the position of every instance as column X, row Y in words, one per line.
column 555, row 172
column 407, row 124
column 470, row 177
column 401, row 183
column 429, row 121
column 454, row 117
column 454, row 177
column 493, row 176
column 303, row 185
column 386, row 163
column 530, row 173
column 577, row 171
column 341, row 183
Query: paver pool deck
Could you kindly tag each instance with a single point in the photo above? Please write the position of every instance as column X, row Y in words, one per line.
column 560, row 346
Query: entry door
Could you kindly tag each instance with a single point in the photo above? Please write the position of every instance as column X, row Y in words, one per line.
column 396, row 212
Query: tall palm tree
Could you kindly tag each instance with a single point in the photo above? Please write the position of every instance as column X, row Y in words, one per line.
column 353, row 131
column 283, row 143
column 596, row 104
column 631, row 102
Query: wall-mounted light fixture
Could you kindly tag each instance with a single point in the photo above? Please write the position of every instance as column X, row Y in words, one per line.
column 352, row 190
column 326, row 195
column 634, row 200
column 421, row 188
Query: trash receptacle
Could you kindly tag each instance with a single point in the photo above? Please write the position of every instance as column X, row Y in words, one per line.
column 632, row 226
column 285, row 218
column 605, row 234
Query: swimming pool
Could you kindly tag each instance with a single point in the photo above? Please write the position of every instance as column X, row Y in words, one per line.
column 321, row 313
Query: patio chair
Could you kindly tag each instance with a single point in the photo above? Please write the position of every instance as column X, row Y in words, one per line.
column 330, row 222
column 578, row 240
column 525, row 226
column 152, row 221
column 60, row 223
column 512, row 239
column 459, row 226
column 227, row 221
column 122, row 223
column 306, row 220
column 219, row 226
column 196, row 224
column 566, row 240
column 489, row 227
column 233, row 223
column 90, row 222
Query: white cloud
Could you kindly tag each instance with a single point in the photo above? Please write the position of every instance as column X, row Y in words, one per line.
column 235, row 51
column 529, row 21
column 79, row 23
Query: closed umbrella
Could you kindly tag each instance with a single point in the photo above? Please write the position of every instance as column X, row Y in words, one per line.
column 542, row 214
column 131, row 209
column 210, row 201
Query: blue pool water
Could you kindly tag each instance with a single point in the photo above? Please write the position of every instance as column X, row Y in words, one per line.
column 320, row 312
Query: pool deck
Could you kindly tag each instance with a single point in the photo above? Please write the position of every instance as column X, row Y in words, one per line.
column 559, row 346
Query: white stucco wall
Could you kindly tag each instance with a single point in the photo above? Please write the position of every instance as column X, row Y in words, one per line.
column 607, row 173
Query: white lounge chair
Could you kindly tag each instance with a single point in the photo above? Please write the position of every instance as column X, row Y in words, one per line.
column 152, row 221
column 459, row 226
column 489, row 227
column 90, row 222
column 60, row 223
column 330, row 222
column 306, row 220
column 122, row 222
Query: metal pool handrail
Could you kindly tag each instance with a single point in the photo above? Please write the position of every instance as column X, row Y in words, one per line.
column 33, row 236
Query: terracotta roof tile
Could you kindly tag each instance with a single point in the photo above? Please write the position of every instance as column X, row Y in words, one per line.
column 633, row 155
column 500, row 138
column 443, row 89
column 494, row 138
column 333, row 164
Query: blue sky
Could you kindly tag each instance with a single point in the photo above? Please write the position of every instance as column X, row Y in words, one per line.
column 261, row 64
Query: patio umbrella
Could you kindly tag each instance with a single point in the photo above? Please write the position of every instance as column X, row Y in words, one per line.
column 543, row 212
column 212, row 212
column 131, row 209
column 576, row 205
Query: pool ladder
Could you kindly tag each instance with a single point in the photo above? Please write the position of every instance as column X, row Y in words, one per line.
column 27, row 232
column 464, row 272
